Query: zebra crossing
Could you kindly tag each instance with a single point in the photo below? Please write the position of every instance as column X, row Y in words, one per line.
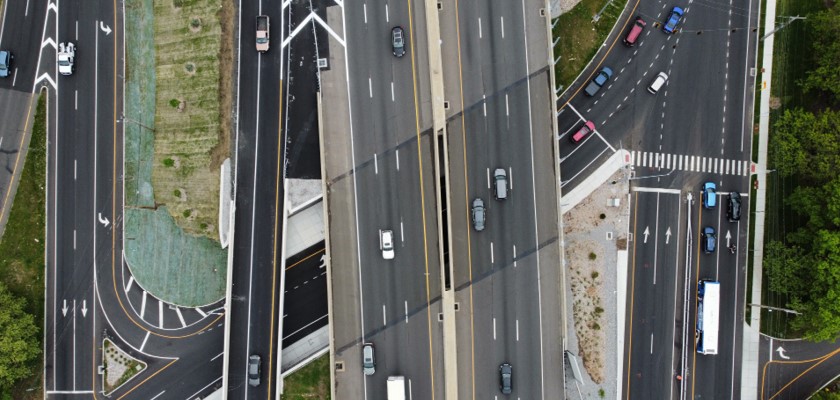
column 683, row 162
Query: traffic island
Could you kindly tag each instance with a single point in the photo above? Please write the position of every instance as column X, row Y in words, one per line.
column 118, row 367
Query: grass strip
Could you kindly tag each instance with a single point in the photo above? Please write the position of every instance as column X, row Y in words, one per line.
column 309, row 382
column 22, row 245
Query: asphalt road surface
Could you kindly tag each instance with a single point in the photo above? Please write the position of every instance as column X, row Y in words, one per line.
column 257, row 256
column 506, row 276
column 696, row 128
column 795, row 369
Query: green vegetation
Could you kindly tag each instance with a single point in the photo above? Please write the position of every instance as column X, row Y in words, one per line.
column 193, row 66
column 309, row 382
column 802, row 252
column 580, row 38
column 19, row 340
column 22, row 273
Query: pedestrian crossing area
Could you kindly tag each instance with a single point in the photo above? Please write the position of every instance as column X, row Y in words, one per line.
column 682, row 162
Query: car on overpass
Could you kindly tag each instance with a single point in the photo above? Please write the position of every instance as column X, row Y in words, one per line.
column 398, row 41
column 478, row 214
column 386, row 244
column 6, row 58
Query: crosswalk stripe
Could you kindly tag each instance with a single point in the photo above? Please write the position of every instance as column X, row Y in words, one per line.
column 685, row 162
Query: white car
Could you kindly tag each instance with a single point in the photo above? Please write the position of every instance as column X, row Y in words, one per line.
column 66, row 57
column 386, row 244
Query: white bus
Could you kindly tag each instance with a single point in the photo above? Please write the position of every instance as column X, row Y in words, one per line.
column 708, row 312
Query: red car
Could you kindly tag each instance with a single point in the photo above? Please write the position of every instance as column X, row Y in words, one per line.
column 586, row 129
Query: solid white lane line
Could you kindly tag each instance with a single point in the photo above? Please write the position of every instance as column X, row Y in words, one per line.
column 517, row 330
column 160, row 314
column 402, row 232
column 651, row 343
column 397, row 152
column 180, row 317
column 492, row 256
column 364, row 10
column 200, row 312
column 510, row 177
column 514, row 256
column 370, row 87
column 74, row 239
column 406, row 311
column 656, row 239
column 159, row 394
column 392, row 91
column 143, row 345
column 387, row 16
column 480, row 35
column 217, row 356
column 75, row 100
column 384, row 318
column 503, row 27
column 488, row 178
column 130, row 283
column 75, row 167
column 507, row 105
column 375, row 164
column 494, row 328
column 143, row 305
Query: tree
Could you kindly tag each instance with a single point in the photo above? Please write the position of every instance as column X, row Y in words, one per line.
column 19, row 346
column 820, row 301
column 824, row 28
column 806, row 145
column 824, row 395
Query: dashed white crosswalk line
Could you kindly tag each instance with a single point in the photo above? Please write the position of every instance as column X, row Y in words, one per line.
column 683, row 162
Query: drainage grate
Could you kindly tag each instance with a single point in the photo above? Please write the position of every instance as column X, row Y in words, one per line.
column 457, row 306
column 440, row 317
column 339, row 366
column 322, row 63
column 609, row 236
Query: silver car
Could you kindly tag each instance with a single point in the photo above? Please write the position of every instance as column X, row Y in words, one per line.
column 254, row 370
column 478, row 214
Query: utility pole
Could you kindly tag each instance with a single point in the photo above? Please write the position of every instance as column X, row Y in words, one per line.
column 789, row 21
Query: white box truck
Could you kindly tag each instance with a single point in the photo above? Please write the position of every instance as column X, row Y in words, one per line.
column 396, row 388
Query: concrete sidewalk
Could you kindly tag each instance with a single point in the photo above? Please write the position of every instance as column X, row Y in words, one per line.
column 749, row 371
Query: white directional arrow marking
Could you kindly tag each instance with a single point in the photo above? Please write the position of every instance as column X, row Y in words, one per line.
column 323, row 264
column 781, row 352
column 104, row 28
column 103, row 221
column 668, row 235
column 647, row 233
column 84, row 308
column 64, row 308
column 728, row 236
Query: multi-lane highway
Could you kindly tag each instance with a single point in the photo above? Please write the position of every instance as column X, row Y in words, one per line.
column 696, row 128
column 506, row 276
column 257, row 255
column 378, row 167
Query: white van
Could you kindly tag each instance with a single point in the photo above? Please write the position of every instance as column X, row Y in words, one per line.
column 658, row 82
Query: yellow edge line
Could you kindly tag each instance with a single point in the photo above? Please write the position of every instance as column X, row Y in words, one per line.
column 696, row 303
column 466, row 197
column 821, row 360
column 274, row 246
column 422, row 194
column 632, row 13
column 632, row 295
column 145, row 380
column 305, row 258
